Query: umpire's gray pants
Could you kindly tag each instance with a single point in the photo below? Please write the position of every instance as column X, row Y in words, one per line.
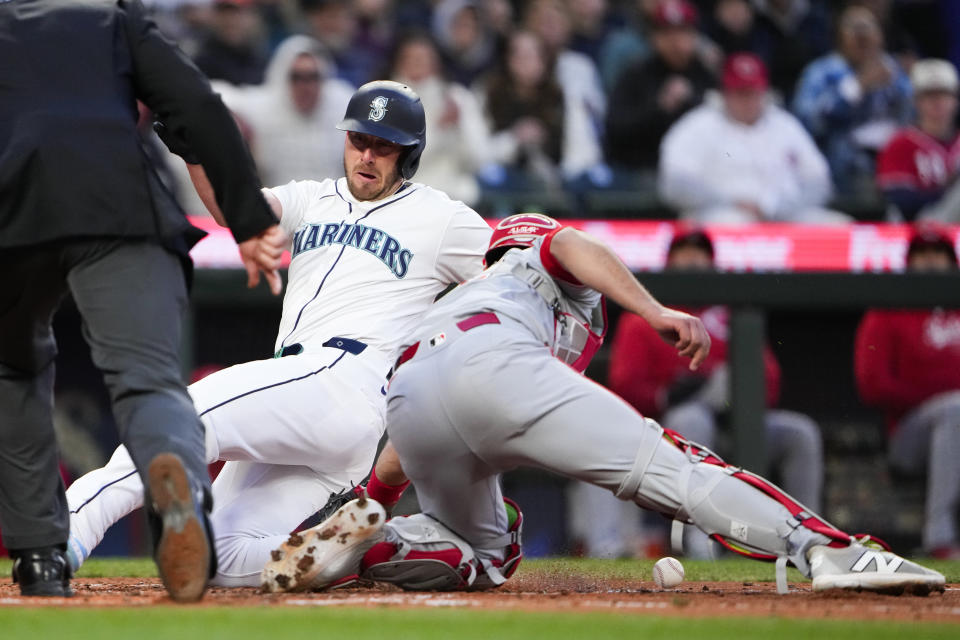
column 929, row 437
column 132, row 297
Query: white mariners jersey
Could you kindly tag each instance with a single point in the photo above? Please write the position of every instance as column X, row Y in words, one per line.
column 370, row 270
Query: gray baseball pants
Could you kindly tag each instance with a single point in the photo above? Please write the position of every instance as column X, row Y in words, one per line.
column 493, row 398
column 132, row 297
column 929, row 438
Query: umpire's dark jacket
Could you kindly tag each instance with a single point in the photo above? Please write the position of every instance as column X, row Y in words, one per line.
column 71, row 163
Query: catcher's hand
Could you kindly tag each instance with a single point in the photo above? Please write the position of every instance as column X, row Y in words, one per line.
column 685, row 332
column 175, row 143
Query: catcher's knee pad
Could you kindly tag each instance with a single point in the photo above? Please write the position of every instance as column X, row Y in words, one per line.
column 421, row 554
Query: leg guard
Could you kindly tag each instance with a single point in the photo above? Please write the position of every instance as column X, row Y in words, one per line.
column 494, row 572
column 421, row 554
column 735, row 540
column 739, row 509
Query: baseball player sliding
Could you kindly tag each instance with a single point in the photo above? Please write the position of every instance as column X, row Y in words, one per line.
column 486, row 387
column 370, row 252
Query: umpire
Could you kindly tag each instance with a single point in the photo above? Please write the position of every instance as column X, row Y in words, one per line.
column 82, row 211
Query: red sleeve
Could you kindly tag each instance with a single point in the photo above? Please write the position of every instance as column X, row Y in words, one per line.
column 874, row 357
column 896, row 167
column 554, row 268
column 771, row 372
column 642, row 366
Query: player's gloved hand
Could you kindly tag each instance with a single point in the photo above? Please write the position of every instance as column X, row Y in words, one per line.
column 262, row 253
column 175, row 143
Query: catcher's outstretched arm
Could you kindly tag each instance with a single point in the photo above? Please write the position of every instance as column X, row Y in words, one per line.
column 597, row 266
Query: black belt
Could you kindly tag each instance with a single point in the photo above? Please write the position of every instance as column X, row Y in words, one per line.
column 347, row 344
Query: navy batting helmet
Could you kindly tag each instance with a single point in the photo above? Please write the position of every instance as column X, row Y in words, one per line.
column 391, row 111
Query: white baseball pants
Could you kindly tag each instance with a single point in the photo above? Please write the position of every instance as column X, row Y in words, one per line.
column 292, row 429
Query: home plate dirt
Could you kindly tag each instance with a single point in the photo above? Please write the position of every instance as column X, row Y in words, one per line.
column 537, row 593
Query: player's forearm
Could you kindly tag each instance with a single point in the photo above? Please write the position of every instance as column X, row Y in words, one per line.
column 597, row 266
column 205, row 190
column 388, row 467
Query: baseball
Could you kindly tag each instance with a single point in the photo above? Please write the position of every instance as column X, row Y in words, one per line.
column 667, row 573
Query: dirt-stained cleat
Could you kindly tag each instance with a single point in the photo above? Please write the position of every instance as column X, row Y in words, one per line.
column 860, row 568
column 183, row 551
column 323, row 556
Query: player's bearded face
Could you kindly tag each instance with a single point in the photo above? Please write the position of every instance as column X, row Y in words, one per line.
column 370, row 164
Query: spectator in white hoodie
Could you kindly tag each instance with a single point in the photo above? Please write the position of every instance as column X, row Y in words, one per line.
column 741, row 159
column 292, row 116
column 456, row 127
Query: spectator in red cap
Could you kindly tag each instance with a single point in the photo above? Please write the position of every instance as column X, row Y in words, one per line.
column 652, row 94
column 919, row 168
column 738, row 158
column 907, row 363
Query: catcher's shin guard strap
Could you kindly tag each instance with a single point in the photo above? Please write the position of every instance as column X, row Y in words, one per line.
column 676, row 536
column 781, row 573
column 648, row 448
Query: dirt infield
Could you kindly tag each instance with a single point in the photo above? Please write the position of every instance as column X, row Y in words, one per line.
column 534, row 593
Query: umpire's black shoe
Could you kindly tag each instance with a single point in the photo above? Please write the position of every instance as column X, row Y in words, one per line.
column 177, row 513
column 42, row 572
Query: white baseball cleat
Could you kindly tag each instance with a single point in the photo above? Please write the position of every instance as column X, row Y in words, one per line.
column 861, row 568
column 325, row 555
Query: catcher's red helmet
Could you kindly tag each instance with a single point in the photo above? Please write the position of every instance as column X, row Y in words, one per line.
column 520, row 230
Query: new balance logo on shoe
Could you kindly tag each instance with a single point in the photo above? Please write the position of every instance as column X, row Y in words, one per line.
column 882, row 566
column 858, row 568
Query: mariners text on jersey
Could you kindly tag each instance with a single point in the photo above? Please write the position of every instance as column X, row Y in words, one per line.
column 369, row 239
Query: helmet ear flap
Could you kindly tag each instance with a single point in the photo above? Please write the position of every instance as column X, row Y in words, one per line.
column 409, row 160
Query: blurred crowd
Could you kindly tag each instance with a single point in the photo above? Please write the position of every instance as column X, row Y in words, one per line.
column 725, row 111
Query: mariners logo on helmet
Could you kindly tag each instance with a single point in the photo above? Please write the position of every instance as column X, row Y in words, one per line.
column 378, row 109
